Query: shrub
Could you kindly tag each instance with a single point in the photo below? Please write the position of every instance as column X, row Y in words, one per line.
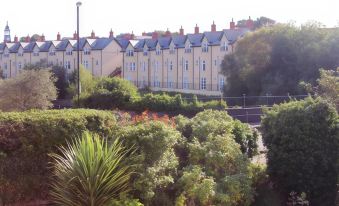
column 89, row 172
column 302, row 140
column 155, row 160
column 27, row 137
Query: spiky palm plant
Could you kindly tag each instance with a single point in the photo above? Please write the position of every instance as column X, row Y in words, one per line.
column 89, row 172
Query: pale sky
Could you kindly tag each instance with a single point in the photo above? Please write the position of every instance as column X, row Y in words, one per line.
column 53, row 16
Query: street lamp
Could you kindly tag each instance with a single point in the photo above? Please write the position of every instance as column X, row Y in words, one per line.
column 78, row 48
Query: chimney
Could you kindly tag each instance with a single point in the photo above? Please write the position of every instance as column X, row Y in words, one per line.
column 58, row 37
column 92, row 35
column 132, row 35
column 167, row 33
column 111, row 34
column 232, row 24
column 27, row 39
column 155, row 35
column 249, row 23
column 75, row 35
column 213, row 27
column 196, row 29
column 181, row 31
column 42, row 38
column 16, row 39
column 144, row 34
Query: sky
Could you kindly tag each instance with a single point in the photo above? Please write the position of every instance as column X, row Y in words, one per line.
column 49, row 17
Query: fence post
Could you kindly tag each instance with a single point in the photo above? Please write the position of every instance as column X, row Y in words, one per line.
column 244, row 100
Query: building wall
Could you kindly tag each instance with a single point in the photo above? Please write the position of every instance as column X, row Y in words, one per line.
column 110, row 59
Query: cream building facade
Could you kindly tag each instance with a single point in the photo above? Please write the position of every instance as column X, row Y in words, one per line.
column 188, row 63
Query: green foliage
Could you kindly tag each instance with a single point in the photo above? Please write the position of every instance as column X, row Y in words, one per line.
column 62, row 84
column 328, row 86
column 87, row 82
column 31, row 89
column 275, row 59
column 27, row 137
column 89, row 172
column 302, row 140
column 126, row 202
column 155, row 161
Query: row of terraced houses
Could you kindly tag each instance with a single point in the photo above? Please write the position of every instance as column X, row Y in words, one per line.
column 189, row 63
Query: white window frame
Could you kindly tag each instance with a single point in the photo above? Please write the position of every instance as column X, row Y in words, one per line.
column 221, row 83
column 203, row 65
column 87, row 51
column 188, row 49
column 69, row 52
column 158, row 51
column 205, row 47
column 186, row 65
column 203, row 83
column 86, row 64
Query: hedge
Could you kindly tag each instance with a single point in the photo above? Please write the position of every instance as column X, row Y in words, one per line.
column 26, row 138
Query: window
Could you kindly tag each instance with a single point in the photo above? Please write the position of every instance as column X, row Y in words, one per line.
column 86, row 65
column 35, row 53
column 5, row 66
column 130, row 53
column 67, row 65
column 87, row 51
column 19, row 66
column 172, row 50
column 188, row 48
column 156, row 66
column 97, row 62
column 186, row 84
column 170, row 84
column 186, row 65
column 20, row 54
column 6, row 54
column 224, row 47
column 156, row 82
column 170, row 66
column 203, row 83
column 69, row 52
column 158, row 51
column 203, row 65
column 132, row 66
column 52, row 52
column 143, row 66
column 205, row 47
column 221, row 83
column 145, row 52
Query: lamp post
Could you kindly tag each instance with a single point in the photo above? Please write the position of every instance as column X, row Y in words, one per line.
column 78, row 48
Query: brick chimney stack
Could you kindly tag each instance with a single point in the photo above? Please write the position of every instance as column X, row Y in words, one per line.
column 232, row 24
column 42, row 38
column 75, row 35
column 196, row 29
column 92, row 35
column 16, row 39
column 181, row 31
column 213, row 27
column 111, row 34
column 144, row 34
column 167, row 33
column 249, row 23
column 132, row 35
column 155, row 35
column 58, row 37
column 28, row 38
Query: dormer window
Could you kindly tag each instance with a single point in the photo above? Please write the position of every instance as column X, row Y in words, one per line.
column 172, row 50
column 52, row 52
column 224, row 46
column 20, row 54
column 35, row 53
column 69, row 52
column 87, row 51
column 130, row 53
column 145, row 52
column 188, row 48
column 205, row 47
column 158, row 51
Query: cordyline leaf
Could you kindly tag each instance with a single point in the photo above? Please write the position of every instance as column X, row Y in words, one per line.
column 90, row 172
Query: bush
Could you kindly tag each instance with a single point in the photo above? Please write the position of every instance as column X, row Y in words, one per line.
column 155, row 163
column 302, row 140
column 27, row 137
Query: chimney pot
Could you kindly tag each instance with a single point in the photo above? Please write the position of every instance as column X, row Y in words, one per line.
column 232, row 24
column 42, row 38
column 75, row 35
column 155, row 35
column 168, row 33
column 111, row 34
column 92, row 35
column 27, row 39
column 16, row 39
column 58, row 37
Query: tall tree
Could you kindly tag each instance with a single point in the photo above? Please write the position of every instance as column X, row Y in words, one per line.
column 31, row 89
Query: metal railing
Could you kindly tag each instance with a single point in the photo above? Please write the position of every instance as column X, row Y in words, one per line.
column 178, row 85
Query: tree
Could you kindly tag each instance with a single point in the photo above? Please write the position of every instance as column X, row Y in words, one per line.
column 62, row 83
column 328, row 86
column 275, row 59
column 28, row 90
column 302, row 140
column 258, row 23
column 90, row 172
